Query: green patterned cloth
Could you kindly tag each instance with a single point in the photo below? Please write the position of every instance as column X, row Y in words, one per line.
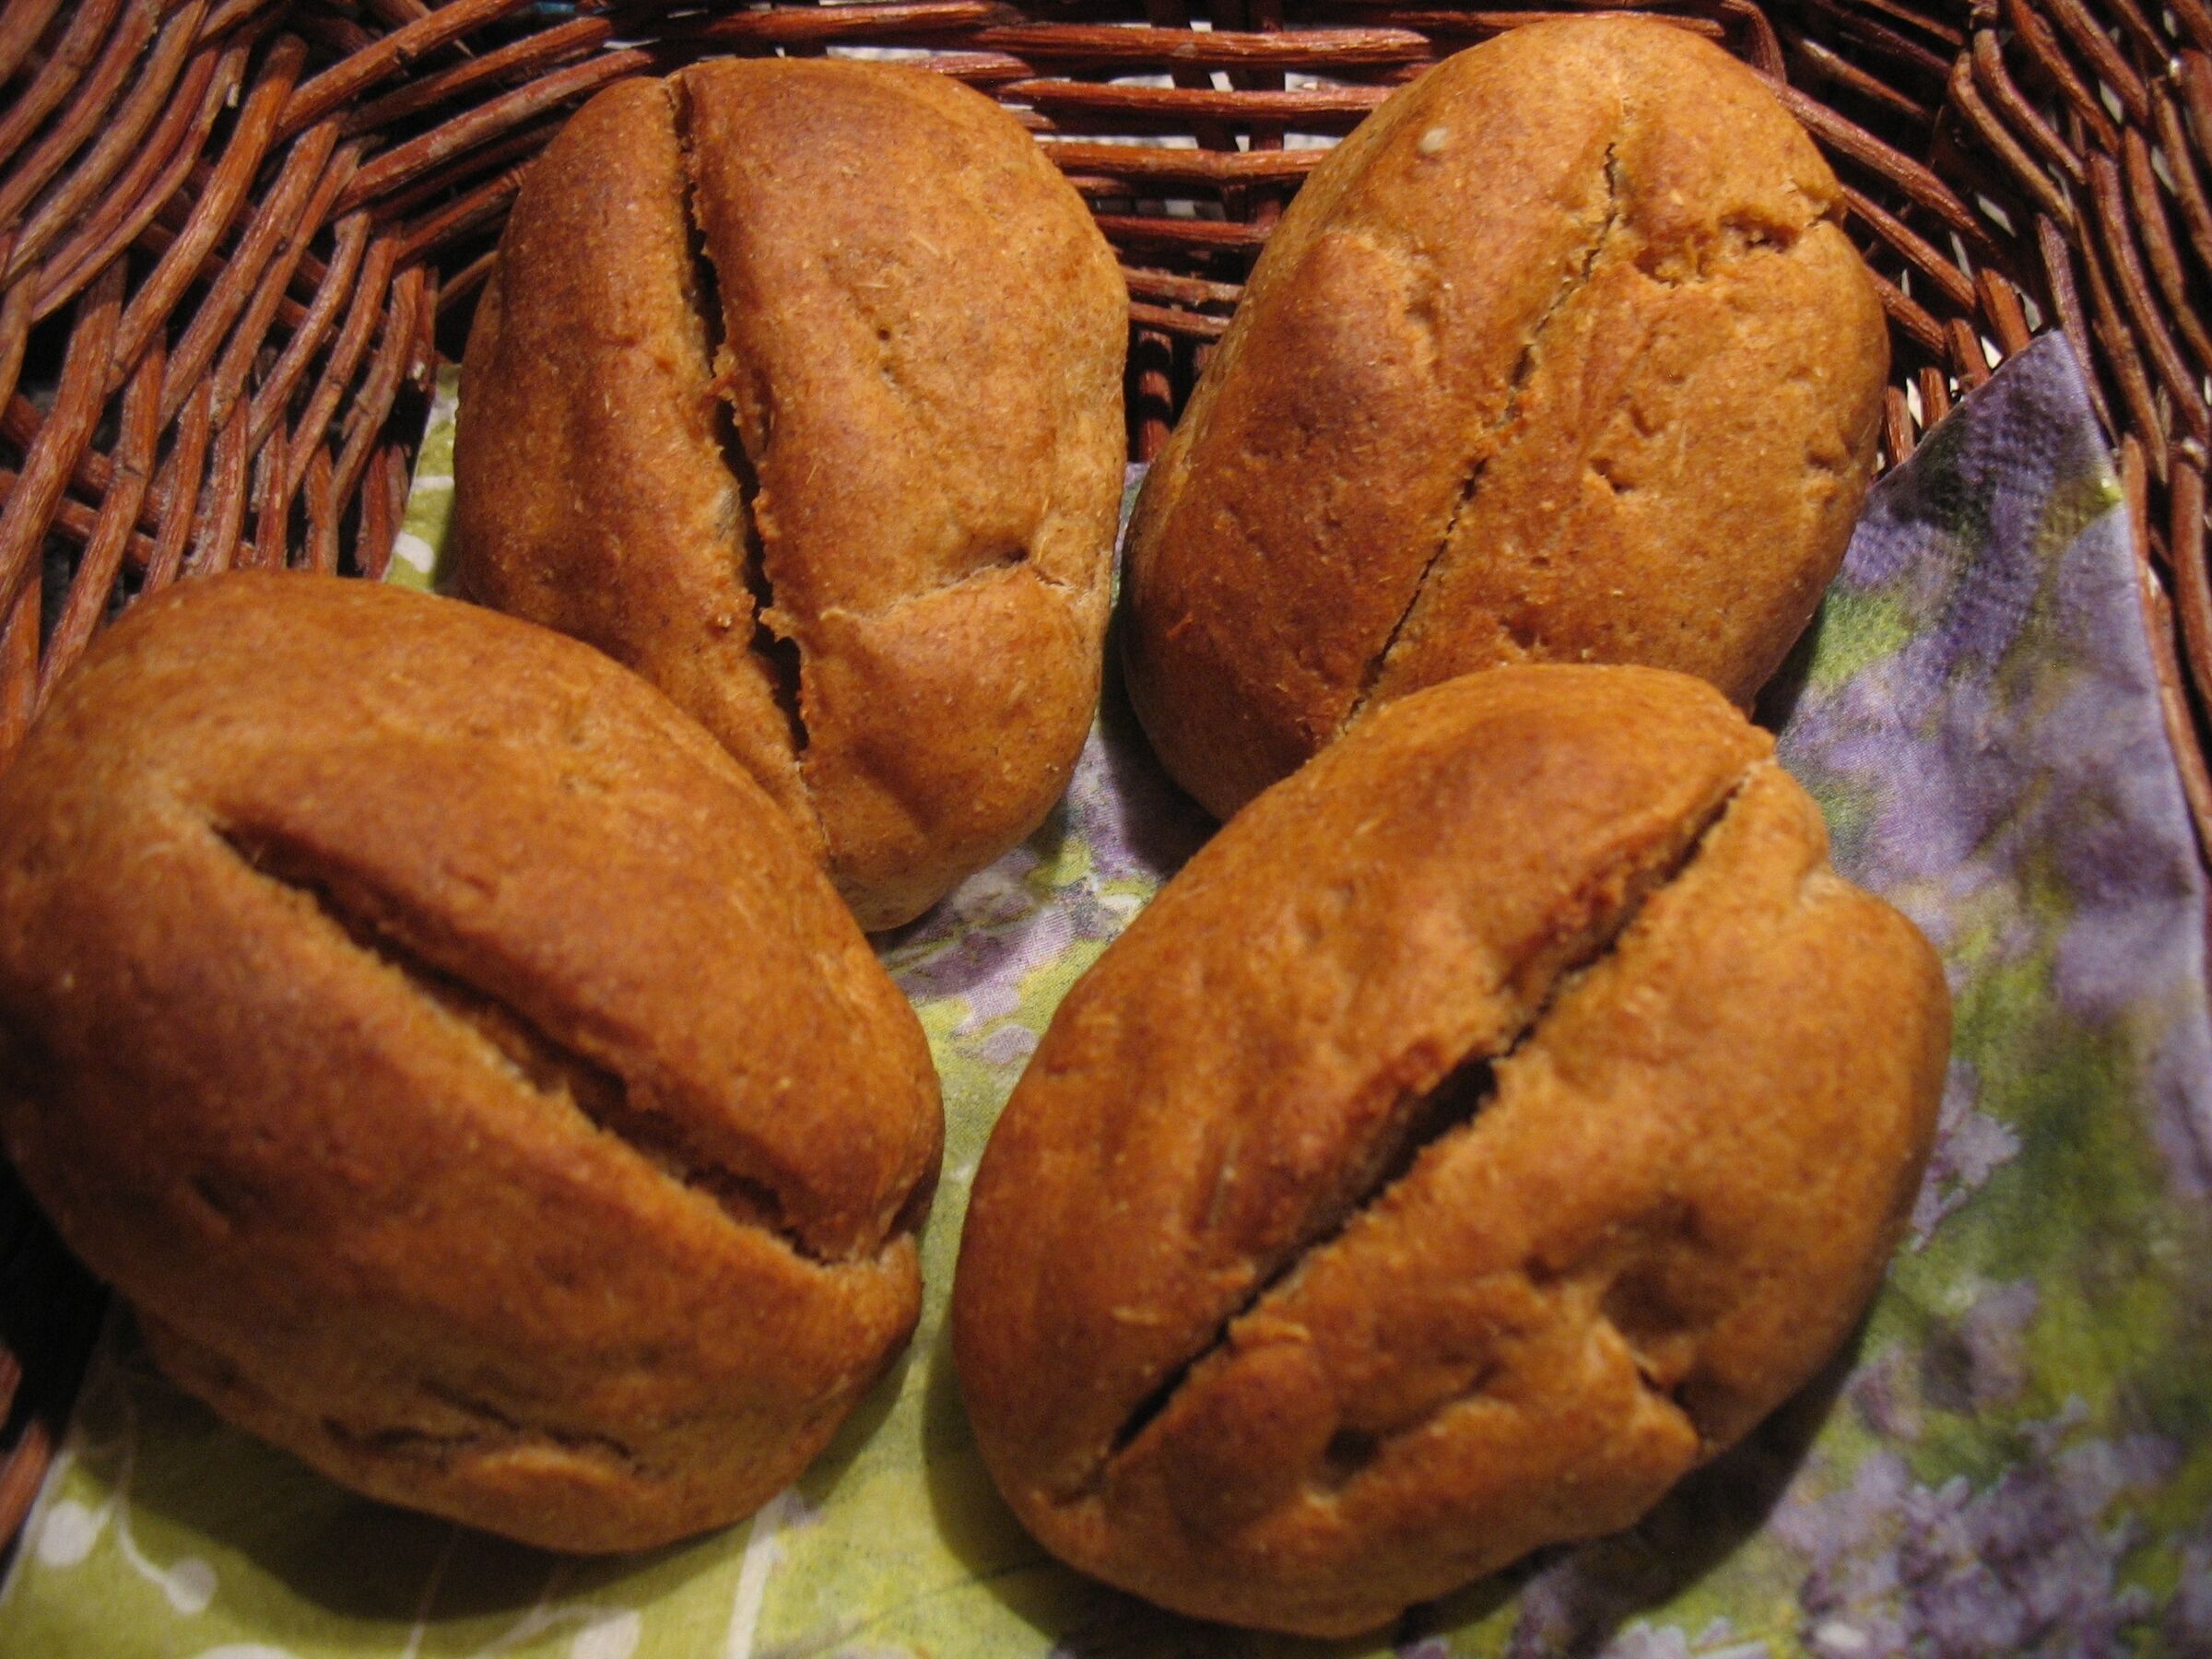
column 2013, row 1458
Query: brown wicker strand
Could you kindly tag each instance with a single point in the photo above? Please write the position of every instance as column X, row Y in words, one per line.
column 2159, row 628
column 322, row 513
column 1994, row 78
column 2001, row 305
column 461, row 216
column 110, row 536
column 58, row 76
column 222, row 503
column 21, row 24
column 1898, row 47
column 1310, row 110
column 177, row 487
column 386, row 55
column 20, row 665
column 417, row 156
column 2194, row 78
column 385, row 370
column 160, row 169
column 501, row 66
column 2065, row 297
column 37, row 489
column 1826, row 64
column 158, row 297
column 2041, row 42
column 2147, row 211
column 2157, row 340
column 1922, row 254
column 2110, row 328
column 2109, row 63
column 15, row 335
column 121, row 132
column 2195, row 18
column 1965, row 98
column 84, row 112
column 2189, row 186
column 271, row 507
column 2185, row 558
column 256, row 274
column 1915, row 319
column 1913, row 178
column 344, row 355
column 1334, row 50
column 276, row 389
column 270, row 301
column 1970, row 359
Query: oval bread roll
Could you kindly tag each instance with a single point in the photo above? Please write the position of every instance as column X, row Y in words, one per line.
column 797, row 388
column 1561, row 357
column 456, row 1059
column 1491, row 1124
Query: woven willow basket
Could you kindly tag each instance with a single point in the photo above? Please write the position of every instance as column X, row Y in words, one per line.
column 238, row 236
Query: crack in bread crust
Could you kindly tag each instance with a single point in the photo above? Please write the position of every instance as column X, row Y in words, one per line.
column 780, row 657
column 1488, row 448
column 489, row 1431
column 516, row 1045
column 1426, row 1121
column 1736, row 244
column 995, row 569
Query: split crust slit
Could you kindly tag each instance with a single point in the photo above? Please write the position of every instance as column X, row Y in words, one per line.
column 778, row 654
column 1433, row 1117
column 519, row 1046
column 1496, row 435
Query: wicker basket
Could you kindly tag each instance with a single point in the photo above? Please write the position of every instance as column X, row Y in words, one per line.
column 237, row 237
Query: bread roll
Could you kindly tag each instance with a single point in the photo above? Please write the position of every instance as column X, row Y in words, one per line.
column 1489, row 1126
column 1562, row 357
column 797, row 388
column 456, row 1059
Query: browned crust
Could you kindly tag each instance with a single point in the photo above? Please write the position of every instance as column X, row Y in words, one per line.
column 1225, row 1347
column 886, row 590
column 592, row 491
column 1561, row 357
column 452, row 1052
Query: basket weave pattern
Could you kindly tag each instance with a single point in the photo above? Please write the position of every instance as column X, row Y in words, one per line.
column 237, row 237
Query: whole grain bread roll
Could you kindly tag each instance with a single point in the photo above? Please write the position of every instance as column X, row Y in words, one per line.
column 1491, row 1124
column 797, row 388
column 456, row 1059
column 1561, row 357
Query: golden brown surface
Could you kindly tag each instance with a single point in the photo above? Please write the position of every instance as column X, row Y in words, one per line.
column 1494, row 1122
column 455, row 1058
column 797, row 388
column 1561, row 357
